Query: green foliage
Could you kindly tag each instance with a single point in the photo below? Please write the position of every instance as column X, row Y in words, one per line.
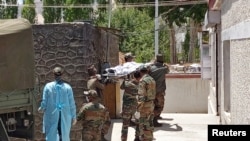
column 137, row 31
column 8, row 12
column 72, row 14
column 196, row 12
column 52, row 14
column 29, row 13
column 164, row 42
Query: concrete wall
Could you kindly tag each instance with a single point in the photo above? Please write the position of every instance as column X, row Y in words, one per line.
column 186, row 95
column 183, row 95
column 73, row 47
column 236, row 31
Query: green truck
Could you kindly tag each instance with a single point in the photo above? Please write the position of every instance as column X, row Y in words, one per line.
column 18, row 87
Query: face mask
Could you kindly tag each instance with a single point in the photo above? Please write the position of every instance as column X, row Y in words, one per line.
column 58, row 78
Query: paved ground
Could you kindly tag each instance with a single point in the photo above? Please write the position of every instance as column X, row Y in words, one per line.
column 176, row 127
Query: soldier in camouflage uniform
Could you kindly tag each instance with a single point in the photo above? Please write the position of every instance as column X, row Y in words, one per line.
column 146, row 98
column 158, row 71
column 93, row 116
column 94, row 83
column 129, row 104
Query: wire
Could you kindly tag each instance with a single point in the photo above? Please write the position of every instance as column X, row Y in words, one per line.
column 119, row 5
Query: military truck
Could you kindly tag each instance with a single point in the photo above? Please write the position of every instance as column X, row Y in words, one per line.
column 17, row 79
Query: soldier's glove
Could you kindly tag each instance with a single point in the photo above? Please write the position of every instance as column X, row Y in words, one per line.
column 98, row 77
column 74, row 122
column 137, row 115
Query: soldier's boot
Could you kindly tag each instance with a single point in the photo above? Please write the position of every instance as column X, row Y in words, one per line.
column 158, row 117
column 156, row 123
column 103, row 138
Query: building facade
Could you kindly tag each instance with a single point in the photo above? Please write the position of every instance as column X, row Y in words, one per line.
column 227, row 22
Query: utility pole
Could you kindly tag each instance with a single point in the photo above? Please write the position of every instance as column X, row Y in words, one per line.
column 20, row 7
column 156, row 28
column 109, row 10
column 62, row 13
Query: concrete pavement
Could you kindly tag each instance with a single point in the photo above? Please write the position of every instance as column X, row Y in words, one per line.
column 176, row 127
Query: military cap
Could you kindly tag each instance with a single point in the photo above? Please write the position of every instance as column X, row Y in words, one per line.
column 58, row 71
column 91, row 70
column 159, row 58
column 129, row 55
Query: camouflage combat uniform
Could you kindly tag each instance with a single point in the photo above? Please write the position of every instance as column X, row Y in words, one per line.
column 129, row 104
column 93, row 116
column 94, row 84
column 146, row 98
column 158, row 72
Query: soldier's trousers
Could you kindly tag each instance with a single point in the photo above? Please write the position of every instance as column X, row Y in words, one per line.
column 91, row 135
column 128, row 110
column 146, row 125
column 159, row 103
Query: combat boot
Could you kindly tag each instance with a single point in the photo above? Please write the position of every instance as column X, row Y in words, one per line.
column 158, row 117
column 156, row 123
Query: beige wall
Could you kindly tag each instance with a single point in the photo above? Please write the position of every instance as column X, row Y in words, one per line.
column 233, row 12
column 186, row 95
column 235, row 31
column 240, row 80
column 183, row 95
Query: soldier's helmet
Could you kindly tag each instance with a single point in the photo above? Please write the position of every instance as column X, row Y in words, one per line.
column 58, row 71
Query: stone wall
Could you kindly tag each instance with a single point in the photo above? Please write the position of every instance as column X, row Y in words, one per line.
column 73, row 46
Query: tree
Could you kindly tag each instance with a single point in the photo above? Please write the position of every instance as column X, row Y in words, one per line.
column 29, row 13
column 72, row 14
column 137, row 30
column 52, row 14
column 195, row 14
column 185, row 46
column 9, row 12
column 179, row 15
column 69, row 14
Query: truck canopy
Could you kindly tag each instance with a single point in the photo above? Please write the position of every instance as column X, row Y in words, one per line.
column 17, row 62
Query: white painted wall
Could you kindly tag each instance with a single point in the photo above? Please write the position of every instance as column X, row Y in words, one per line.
column 236, row 30
column 183, row 95
column 186, row 95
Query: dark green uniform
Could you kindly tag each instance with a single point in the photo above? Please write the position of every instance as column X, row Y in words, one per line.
column 158, row 72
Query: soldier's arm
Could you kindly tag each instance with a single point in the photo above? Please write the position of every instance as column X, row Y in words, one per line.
column 99, row 85
column 81, row 114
